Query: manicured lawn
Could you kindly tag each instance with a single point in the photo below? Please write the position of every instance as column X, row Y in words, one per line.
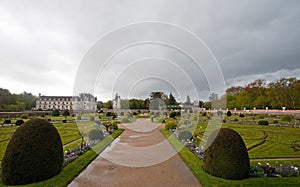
column 68, row 132
column 277, row 142
column 195, row 165
column 74, row 168
column 5, row 134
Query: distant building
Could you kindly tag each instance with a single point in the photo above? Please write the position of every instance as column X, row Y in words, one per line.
column 117, row 102
column 86, row 102
column 196, row 104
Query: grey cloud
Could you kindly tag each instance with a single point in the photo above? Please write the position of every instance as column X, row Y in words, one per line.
column 43, row 43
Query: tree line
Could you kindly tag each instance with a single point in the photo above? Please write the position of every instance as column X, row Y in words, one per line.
column 9, row 101
column 261, row 94
column 156, row 99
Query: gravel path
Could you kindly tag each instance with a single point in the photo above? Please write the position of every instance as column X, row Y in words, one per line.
column 141, row 156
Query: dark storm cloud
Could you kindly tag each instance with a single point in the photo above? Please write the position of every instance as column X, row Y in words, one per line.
column 43, row 43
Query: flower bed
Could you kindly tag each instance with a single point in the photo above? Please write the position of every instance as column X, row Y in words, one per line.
column 274, row 171
column 73, row 153
column 192, row 145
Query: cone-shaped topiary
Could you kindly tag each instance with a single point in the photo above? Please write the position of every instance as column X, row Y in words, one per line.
column 185, row 135
column 96, row 134
column 227, row 155
column 34, row 153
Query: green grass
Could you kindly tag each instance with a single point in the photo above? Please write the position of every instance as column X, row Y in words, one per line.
column 277, row 143
column 68, row 132
column 195, row 165
column 74, row 168
column 5, row 134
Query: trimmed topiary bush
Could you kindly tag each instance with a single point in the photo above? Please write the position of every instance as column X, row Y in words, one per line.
column 24, row 116
column 172, row 115
column 55, row 113
column 185, row 135
column 227, row 156
column 261, row 116
column 7, row 121
column 109, row 114
column 286, row 118
column 228, row 113
column 34, row 153
column 19, row 122
column 96, row 134
column 66, row 112
column 170, row 125
column 114, row 126
column 242, row 115
column 263, row 122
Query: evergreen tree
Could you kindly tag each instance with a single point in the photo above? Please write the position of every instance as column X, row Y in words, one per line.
column 171, row 100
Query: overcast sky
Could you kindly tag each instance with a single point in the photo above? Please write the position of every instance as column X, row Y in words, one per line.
column 45, row 46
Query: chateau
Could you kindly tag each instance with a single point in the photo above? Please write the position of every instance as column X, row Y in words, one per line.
column 86, row 102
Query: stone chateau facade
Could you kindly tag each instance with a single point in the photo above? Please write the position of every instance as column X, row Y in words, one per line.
column 85, row 102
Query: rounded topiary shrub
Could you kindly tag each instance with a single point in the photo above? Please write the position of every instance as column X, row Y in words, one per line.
column 19, row 122
column 96, row 134
column 114, row 126
column 66, row 112
column 261, row 116
column 172, row 115
column 227, row 156
column 55, row 113
column 24, row 116
column 286, row 118
column 7, row 121
column 263, row 122
column 228, row 113
column 170, row 124
column 34, row 153
column 185, row 135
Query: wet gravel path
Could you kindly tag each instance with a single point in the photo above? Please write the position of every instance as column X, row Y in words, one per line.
column 140, row 156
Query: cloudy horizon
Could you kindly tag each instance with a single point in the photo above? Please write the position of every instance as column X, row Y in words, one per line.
column 44, row 45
